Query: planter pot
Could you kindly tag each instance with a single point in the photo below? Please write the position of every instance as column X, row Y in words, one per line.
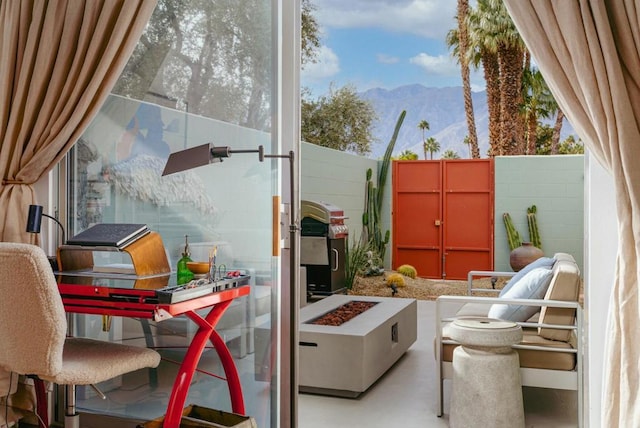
column 523, row 255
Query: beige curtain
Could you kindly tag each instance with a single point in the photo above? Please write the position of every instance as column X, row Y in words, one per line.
column 59, row 61
column 589, row 53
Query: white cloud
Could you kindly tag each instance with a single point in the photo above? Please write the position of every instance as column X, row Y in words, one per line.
column 441, row 65
column 327, row 65
column 478, row 84
column 387, row 59
column 428, row 18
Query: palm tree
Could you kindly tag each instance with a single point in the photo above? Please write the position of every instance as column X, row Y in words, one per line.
column 432, row 146
column 462, row 38
column 407, row 155
column 537, row 102
column 450, row 154
column 424, row 126
column 511, row 59
column 480, row 52
column 467, row 142
column 557, row 127
column 493, row 34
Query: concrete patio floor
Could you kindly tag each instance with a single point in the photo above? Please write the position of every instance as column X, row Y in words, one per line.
column 406, row 395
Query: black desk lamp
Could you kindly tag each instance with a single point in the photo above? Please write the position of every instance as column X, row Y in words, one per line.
column 208, row 153
column 34, row 223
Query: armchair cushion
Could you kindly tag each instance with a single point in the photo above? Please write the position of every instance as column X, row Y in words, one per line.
column 530, row 358
column 533, row 285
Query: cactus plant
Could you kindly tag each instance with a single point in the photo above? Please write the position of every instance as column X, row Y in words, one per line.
column 532, row 221
column 408, row 270
column 371, row 229
column 513, row 237
column 395, row 279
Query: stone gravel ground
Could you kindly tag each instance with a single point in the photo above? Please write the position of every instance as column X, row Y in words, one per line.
column 421, row 288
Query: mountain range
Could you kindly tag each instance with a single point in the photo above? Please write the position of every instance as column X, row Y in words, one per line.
column 443, row 108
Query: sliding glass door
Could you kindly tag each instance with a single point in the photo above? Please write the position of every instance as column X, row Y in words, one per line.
column 204, row 72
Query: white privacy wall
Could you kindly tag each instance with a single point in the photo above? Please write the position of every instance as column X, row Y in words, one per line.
column 338, row 178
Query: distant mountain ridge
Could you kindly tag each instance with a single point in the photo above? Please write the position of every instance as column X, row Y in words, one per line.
column 443, row 108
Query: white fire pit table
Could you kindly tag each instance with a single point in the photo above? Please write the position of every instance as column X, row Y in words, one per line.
column 486, row 389
column 345, row 360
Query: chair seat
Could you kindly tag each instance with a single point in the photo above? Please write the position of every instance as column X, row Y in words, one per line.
column 87, row 361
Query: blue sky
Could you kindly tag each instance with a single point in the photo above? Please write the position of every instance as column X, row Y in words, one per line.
column 385, row 44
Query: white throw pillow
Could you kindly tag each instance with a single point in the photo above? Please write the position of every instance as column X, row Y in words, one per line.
column 546, row 262
column 533, row 285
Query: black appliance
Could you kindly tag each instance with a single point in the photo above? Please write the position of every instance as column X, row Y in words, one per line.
column 323, row 245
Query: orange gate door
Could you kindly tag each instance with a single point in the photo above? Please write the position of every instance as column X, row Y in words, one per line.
column 443, row 216
column 417, row 214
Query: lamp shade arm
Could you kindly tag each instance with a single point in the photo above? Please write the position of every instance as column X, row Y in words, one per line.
column 64, row 239
column 34, row 221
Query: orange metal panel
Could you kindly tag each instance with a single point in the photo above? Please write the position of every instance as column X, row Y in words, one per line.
column 417, row 176
column 459, row 262
column 427, row 261
column 469, row 174
column 468, row 211
column 413, row 222
column 417, row 213
column 467, row 217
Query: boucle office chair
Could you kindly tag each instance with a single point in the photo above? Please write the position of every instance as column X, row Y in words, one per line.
column 33, row 329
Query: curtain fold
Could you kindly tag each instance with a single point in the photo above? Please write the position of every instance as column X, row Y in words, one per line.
column 589, row 54
column 60, row 59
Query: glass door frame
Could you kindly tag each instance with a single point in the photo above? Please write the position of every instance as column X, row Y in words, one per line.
column 287, row 22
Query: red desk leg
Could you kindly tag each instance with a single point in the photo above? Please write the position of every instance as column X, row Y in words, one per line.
column 231, row 373
column 183, row 379
column 42, row 408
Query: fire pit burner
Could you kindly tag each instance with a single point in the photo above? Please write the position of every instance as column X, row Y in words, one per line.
column 343, row 313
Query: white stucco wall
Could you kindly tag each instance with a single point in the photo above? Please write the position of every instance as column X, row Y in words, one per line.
column 338, row 178
column 601, row 243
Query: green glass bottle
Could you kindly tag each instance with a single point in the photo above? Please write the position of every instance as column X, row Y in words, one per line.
column 183, row 273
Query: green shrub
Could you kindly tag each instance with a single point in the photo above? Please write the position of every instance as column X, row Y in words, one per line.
column 356, row 260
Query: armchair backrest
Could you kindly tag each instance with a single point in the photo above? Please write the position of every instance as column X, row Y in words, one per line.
column 565, row 285
column 32, row 318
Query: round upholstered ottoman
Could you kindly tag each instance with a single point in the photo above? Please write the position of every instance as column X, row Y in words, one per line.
column 486, row 389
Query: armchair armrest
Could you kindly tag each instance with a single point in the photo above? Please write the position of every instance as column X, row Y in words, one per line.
column 483, row 273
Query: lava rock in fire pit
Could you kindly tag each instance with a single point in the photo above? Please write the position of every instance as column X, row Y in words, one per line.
column 343, row 313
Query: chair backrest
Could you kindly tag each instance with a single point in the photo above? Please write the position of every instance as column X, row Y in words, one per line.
column 32, row 318
column 565, row 285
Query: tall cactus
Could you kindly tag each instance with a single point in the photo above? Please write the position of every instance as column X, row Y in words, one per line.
column 371, row 228
column 532, row 221
column 386, row 160
column 513, row 237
